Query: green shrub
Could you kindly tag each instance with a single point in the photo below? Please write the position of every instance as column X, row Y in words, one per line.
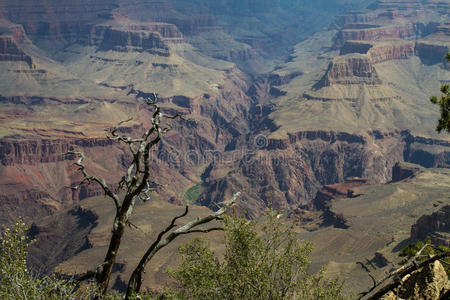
column 270, row 265
column 16, row 280
column 411, row 250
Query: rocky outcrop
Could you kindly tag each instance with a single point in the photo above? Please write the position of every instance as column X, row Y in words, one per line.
column 9, row 51
column 289, row 172
column 429, row 283
column 431, row 53
column 406, row 32
column 432, row 49
column 108, row 38
column 402, row 171
column 357, row 20
column 436, row 226
column 419, row 150
column 10, row 39
column 328, row 193
column 29, row 204
column 196, row 24
column 30, row 152
column 380, row 51
column 391, row 50
column 350, row 69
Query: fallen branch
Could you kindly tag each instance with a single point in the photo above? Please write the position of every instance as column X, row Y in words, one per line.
column 400, row 273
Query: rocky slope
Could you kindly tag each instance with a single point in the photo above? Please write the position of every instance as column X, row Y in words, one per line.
column 79, row 235
column 435, row 226
column 378, row 220
column 352, row 109
column 70, row 70
column 324, row 114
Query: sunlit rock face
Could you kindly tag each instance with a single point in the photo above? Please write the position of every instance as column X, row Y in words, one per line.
column 243, row 69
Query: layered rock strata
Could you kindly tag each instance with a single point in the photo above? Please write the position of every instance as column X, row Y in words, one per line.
column 289, row 172
column 436, row 226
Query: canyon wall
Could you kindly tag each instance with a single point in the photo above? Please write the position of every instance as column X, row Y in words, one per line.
column 435, row 226
column 197, row 54
column 350, row 69
column 289, row 172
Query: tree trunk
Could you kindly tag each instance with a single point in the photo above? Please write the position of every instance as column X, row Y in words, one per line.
column 110, row 258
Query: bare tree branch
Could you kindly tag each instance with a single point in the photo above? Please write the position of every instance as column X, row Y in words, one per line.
column 87, row 178
column 396, row 276
column 135, row 281
column 136, row 183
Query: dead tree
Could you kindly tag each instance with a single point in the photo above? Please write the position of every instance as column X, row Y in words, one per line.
column 137, row 183
column 135, row 282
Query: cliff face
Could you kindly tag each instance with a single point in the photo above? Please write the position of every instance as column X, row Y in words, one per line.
column 289, row 172
column 350, row 69
column 107, row 38
column 432, row 48
column 31, row 152
column 58, row 21
column 435, row 226
column 406, row 32
column 36, row 175
column 97, row 59
column 391, row 51
column 32, row 158
column 402, row 171
column 11, row 37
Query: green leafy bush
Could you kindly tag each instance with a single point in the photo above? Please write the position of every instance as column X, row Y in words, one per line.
column 411, row 250
column 270, row 265
column 16, row 280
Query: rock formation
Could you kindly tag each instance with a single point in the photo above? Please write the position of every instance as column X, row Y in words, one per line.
column 430, row 282
column 98, row 60
column 436, row 226
column 350, row 69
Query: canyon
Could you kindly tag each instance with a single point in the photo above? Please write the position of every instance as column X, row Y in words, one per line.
column 295, row 103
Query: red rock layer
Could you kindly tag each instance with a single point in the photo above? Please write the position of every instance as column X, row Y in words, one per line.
column 407, row 31
column 108, row 38
column 30, row 152
column 391, row 51
column 10, row 40
column 350, row 69
column 57, row 20
column 290, row 171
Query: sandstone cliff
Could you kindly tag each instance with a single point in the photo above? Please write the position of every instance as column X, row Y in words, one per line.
column 350, row 69
column 11, row 37
column 436, row 226
column 107, row 38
